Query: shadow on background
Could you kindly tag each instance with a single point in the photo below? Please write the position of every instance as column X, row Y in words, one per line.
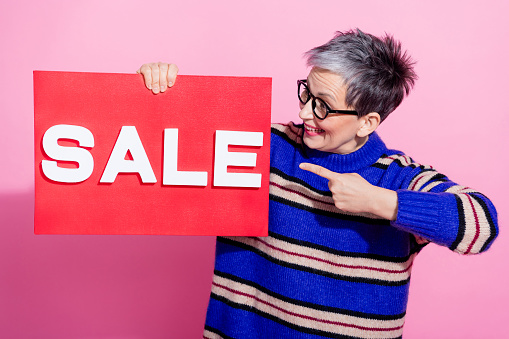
column 69, row 286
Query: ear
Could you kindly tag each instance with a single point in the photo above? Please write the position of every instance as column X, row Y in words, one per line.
column 368, row 124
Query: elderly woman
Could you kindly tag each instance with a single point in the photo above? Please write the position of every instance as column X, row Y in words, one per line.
column 347, row 215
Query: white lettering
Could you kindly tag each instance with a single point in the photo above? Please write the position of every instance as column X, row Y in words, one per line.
column 65, row 153
column 223, row 159
column 128, row 140
column 172, row 176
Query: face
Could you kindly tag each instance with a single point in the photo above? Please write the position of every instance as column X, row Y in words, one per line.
column 338, row 133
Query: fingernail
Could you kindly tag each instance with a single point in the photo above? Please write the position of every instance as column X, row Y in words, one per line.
column 163, row 89
column 170, row 84
column 149, row 86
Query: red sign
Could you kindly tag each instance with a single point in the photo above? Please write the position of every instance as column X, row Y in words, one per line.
column 113, row 158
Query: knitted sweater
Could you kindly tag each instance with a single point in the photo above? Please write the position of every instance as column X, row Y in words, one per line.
column 325, row 273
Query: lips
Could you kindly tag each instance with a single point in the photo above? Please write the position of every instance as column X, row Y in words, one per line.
column 312, row 130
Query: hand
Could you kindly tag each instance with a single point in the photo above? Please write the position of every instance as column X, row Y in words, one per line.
column 352, row 193
column 158, row 75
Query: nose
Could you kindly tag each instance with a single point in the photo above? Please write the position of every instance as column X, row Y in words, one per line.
column 306, row 111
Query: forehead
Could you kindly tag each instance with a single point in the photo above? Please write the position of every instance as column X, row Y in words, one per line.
column 323, row 82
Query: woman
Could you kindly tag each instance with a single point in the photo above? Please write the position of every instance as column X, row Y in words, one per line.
column 347, row 216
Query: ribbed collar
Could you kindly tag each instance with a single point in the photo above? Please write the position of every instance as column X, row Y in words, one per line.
column 363, row 157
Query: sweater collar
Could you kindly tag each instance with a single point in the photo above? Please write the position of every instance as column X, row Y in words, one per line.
column 365, row 156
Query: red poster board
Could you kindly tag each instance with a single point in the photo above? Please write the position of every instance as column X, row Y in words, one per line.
column 197, row 106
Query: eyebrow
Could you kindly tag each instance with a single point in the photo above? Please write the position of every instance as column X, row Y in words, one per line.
column 326, row 95
column 322, row 94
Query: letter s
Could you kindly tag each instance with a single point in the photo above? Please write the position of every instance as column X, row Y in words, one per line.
column 82, row 156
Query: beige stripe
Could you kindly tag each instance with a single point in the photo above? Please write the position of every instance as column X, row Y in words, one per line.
column 471, row 227
column 403, row 159
column 390, row 159
column 329, row 262
column 429, row 187
column 300, row 194
column 211, row 335
column 460, row 189
column 305, row 316
column 421, row 179
column 484, row 227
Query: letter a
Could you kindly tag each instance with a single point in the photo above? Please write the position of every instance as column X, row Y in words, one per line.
column 128, row 140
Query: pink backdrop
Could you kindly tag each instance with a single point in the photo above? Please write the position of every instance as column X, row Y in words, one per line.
column 157, row 286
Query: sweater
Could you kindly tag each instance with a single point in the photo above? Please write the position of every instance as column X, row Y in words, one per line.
column 325, row 273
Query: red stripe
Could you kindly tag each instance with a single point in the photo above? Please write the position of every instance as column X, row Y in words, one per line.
column 415, row 183
column 477, row 226
column 330, row 262
column 301, row 194
column 305, row 316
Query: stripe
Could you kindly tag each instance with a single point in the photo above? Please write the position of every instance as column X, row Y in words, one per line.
column 478, row 229
column 423, row 178
column 295, row 180
column 213, row 333
column 301, row 194
column 476, row 225
column 280, row 321
column 306, row 304
column 290, row 133
column 493, row 228
column 378, row 257
column 400, row 159
column 458, row 189
column 461, row 224
column 302, row 318
column 327, row 264
column 293, row 192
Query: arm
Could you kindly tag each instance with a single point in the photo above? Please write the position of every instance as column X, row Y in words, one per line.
column 437, row 209
column 428, row 205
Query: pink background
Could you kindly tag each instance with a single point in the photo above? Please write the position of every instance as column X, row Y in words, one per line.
column 157, row 286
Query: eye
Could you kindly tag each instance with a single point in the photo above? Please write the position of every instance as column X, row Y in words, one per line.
column 304, row 94
column 321, row 108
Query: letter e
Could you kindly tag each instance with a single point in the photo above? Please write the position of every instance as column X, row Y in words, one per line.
column 223, row 159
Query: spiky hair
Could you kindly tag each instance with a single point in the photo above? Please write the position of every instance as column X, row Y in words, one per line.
column 377, row 73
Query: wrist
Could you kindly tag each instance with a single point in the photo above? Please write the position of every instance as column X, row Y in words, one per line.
column 385, row 204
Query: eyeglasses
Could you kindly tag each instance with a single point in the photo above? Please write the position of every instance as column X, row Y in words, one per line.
column 320, row 109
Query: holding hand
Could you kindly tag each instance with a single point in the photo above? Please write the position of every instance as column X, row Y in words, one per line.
column 158, row 75
column 352, row 193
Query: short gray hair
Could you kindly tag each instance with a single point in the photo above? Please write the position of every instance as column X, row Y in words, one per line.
column 376, row 72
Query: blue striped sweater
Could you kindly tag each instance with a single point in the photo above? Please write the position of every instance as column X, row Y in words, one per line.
column 325, row 273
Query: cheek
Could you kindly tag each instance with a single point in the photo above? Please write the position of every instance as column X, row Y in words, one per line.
column 331, row 127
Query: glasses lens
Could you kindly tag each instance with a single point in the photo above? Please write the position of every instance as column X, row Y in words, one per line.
column 303, row 93
column 320, row 108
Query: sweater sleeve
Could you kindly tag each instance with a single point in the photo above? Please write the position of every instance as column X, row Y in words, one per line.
column 436, row 209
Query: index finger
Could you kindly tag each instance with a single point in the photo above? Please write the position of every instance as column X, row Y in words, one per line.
column 172, row 74
column 318, row 170
column 147, row 75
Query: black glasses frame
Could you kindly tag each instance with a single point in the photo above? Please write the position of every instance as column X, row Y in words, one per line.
column 328, row 110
